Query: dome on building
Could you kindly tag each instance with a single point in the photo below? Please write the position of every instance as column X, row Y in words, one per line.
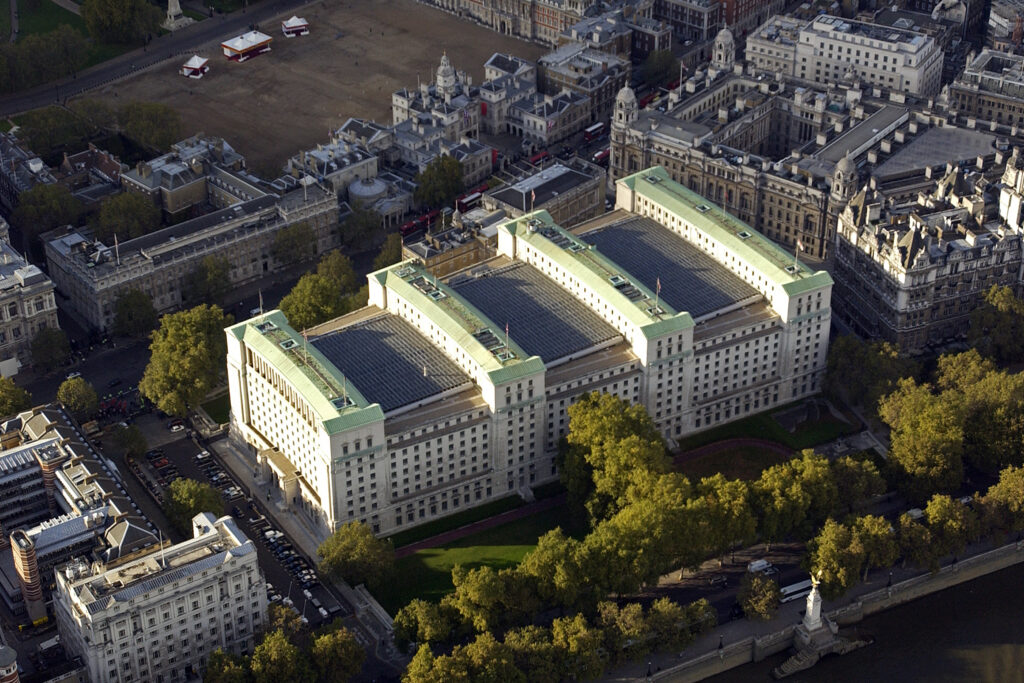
column 626, row 96
column 367, row 190
column 725, row 36
column 846, row 166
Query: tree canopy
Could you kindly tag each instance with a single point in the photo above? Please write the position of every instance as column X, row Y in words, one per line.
column 294, row 243
column 13, row 399
column 354, row 554
column 127, row 215
column 758, row 596
column 390, row 253
column 208, row 282
column 337, row 656
column 134, row 314
column 224, row 667
column 130, row 440
column 361, row 226
column 997, row 326
column 660, row 67
column 337, row 268
column 43, row 208
column 313, row 300
column 78, row 397
column 440, row 182
column 120, row 21
column 41, row 57
column 186, row 359
column 861, row 373
column 186, row 498
column 276, row 660
column 50, row 349
column 151, row 124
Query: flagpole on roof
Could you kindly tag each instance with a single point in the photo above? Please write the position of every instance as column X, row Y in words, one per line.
column 657, row 294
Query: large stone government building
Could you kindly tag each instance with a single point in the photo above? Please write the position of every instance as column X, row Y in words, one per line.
column 440, row 395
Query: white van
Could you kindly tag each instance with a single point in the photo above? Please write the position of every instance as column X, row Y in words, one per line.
column 762, row 567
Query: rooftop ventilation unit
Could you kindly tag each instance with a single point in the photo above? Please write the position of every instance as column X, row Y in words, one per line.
column 437, row 295
column 576, row 248
column 703, row 208
column 744, row 235
column 265, row 327
column 342, row 402
column 405, row 271
column 655, row 310
column 505, row 355
column 793, row 269
column 652, row 179
column 617, row 280
column 288, row 344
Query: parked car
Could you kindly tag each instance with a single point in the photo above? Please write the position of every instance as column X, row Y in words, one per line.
column 178, row 428
column 73, row 375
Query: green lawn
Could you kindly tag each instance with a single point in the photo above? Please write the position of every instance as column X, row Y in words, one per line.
column 427, row 574
column 219, row 409
column 192, row 14
column 763, row 426
column 41, row 16
column 5, row 20
column 737, row 463
column 460, row 519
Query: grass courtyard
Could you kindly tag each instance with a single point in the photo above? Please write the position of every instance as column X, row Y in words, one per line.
column 219, row 409
column 427, row 574
column 744, row 462
column 764, row 426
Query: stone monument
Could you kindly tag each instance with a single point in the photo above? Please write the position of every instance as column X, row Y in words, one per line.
column 815, row 637
column 175, row 18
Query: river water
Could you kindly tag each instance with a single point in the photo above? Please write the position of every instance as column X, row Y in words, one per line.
column 973, row 632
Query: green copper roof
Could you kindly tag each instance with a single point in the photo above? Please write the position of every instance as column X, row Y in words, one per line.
column 598, row 274
column 759, row 252
column 337, row 403
column 461, row 321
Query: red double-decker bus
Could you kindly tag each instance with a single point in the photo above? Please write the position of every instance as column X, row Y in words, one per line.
column 539, row 157
column 593, row 132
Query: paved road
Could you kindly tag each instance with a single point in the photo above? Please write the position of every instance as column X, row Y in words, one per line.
column 213, row 30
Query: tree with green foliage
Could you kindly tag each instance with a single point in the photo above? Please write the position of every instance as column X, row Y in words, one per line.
column 598, row 424
column 425, row 622
column 552, row 568
column 861, row 373
column 186, row 498
column 581, row 645
column 294, row 243
column 878, row 540
column 926, row 448
column 625, row 630
column 724, row 512
column 150, row 124
column 997, row 325
column 41, row 209
column 1006, row 499
column 130, row 440
column 667, row 620
column 337, row 656
column 208, row 282
column 440, row 182
column 276, row 660
column 952, row 524
column 313, row 300
column 338, row 270
column 421, row 668
column 120, row 21
column 354, row 554
column 51, row 130
column 134, row 314
column 50, row 349
column 285, row 619
column 361, row 226
column 484, row 660
column 37, row 58
column 836, row 558
column 126, row 216
column 857, row 480
column 186, row 359
column 13, row 399
column 534, row 653
column 390, row 253
column 915, row 541
column 660, row 67
column 758, row 596
column 79, row 397
column 224, row 667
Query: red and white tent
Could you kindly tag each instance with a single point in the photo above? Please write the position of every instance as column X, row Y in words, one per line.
column 296, row 26
column 246, row 45
column 195, row 67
